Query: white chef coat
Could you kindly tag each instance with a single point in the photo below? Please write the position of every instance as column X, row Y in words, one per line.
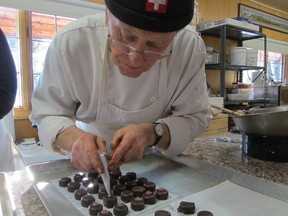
column 6, row 152
column 80, row 83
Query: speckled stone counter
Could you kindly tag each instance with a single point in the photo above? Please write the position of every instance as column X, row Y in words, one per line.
column 219, row 155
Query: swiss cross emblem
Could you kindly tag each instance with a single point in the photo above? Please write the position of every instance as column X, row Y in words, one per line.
column 158, row 6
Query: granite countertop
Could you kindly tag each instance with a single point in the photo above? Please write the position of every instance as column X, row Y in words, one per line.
column 219, row 155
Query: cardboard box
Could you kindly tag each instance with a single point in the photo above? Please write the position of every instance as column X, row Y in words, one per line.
column 218, row 125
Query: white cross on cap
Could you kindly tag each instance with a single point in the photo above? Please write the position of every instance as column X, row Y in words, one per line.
column 157, row 3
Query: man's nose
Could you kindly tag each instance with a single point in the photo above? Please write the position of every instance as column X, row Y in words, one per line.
column 136, row 58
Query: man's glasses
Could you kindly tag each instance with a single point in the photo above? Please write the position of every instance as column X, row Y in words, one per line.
column 147, row 54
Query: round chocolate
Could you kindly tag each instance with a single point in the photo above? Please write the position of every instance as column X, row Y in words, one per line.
column 79, row 176
column 141, row 181
column 100, row 180
column 93, row 188
column 123, row 179
column 137, row 204
column 94, row 208
column 115, row 174
column 64, row 181
column 93, row 174
column 86, row 200
column 120, row 209
column 104, row 213
column 204, row 213
column 86, row 181
column 72, row 186
column 127, row 195
column 149, row 198
column 132, row 176
column 138, row 191
column 109, row 201
column 117, row 189
column 186, row 207
column 162, row 213
column 102, row 192
column 150, row 186
column 130, row 184
column 79, row 193
column 113, row 182
column 162, row 194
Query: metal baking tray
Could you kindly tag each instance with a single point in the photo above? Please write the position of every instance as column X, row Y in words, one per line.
column 179, row 179
column 7, row 206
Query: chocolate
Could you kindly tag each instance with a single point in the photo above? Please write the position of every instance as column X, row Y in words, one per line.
column 138, row 191
column 149, row 198
column 115, row 174
column 104, row 213
column 86, row 200
column 86, row 181
column 117, row 189
column 109, row 201
column 94, row 208
column 100, row 180
column 141, row 181
column 127, row 195
column 93, row 188
column 64, row 181
column 162, row 194
column 204, row 213
column 73, row 186
column 123, row 179
column 79, row 176
column 162, row 213
column 102, row 192
column 150, row 186
column 132, row 176
column 137, row 204
column 120, row 210
column 79, row 193
column 130, row 184
column 186, row 207
column 93, row 174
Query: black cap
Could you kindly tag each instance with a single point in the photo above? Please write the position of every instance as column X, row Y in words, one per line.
column 153, row 15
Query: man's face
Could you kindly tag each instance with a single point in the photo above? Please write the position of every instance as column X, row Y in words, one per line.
column 135, row 63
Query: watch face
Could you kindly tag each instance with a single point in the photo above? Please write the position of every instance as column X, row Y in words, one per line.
column 159, row 129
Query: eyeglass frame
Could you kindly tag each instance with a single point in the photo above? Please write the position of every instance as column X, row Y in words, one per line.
column 133, row 50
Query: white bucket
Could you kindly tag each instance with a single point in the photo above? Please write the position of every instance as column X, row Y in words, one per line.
column 251, row 57
column 238, row 56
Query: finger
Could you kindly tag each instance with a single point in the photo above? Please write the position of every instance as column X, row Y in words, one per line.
column 119, row 153
column 116, row 140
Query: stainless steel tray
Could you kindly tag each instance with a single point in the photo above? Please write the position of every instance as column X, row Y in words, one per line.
column 179, row 179
column 7, row 207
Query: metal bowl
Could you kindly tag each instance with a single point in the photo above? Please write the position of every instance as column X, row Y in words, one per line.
column 272, row 121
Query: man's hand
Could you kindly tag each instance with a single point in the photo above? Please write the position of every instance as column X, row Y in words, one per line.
column 129, row 143
column 83, row 147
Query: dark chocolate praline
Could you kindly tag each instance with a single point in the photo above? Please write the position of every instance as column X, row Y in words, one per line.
column 137, row 204
column 141, row 181
column 150, row 186
column 162, row 194
column 64, row 181
column 102, row 192
column 204, row 213
column 127, row 195
column 104, row 213
column 115, row 174
column 93, row 188
column 162, row 213
column 117, row 189
column 186, row 207
column 130, row 184
column 123, row 179
column 149, row 198
column 86, row 181
column 72, row 186
column 109, row 201
column 138, row 191
column 132, row 176
column 120, row 210
column 79, row 193
column 93, row 174
column 79, row 176
column 94, row 208
column 86, row 200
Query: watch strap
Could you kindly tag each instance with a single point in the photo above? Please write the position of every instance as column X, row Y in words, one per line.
column 157, row 137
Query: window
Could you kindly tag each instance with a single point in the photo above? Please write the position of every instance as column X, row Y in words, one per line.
column 29, row 52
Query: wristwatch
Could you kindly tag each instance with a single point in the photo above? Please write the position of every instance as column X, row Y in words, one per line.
column 159, row 130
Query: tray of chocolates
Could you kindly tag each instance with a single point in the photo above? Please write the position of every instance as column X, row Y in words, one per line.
column 145, row 187
column 6, row 200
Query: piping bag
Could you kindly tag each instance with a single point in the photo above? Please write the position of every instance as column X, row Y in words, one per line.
column 105, row 175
